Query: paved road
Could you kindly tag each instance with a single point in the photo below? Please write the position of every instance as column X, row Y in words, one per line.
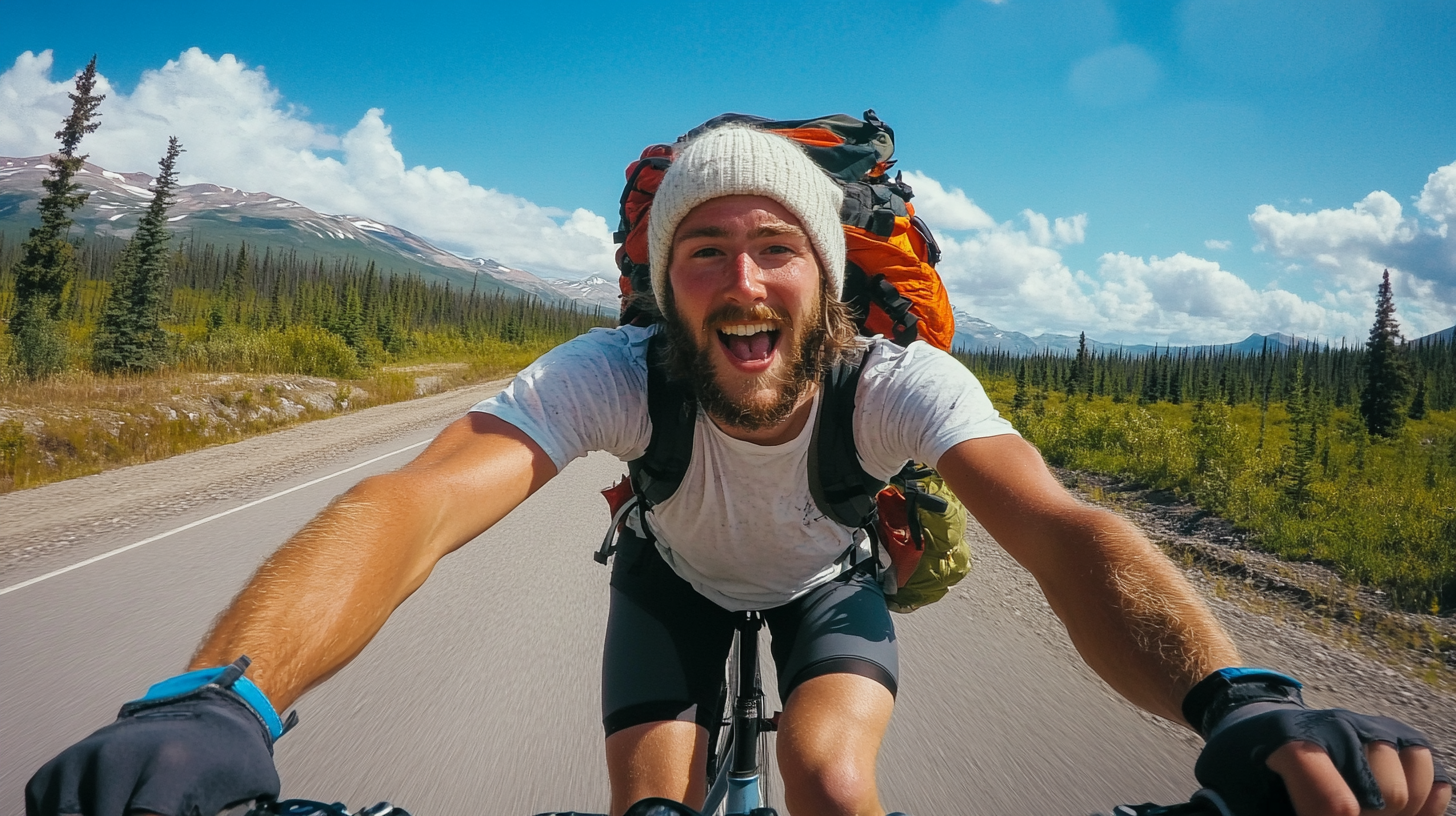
column 480, row 695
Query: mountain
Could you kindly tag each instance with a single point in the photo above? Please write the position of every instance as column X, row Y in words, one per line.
column 974, row 334
column 208, row 213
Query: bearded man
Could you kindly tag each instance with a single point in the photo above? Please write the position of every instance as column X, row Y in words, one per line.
column 747, row 259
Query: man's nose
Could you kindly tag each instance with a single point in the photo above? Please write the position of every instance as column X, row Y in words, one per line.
column 747, row 284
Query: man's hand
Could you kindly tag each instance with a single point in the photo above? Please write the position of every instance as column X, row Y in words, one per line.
column 1266, row 751
column 191, row 754
column 1314, row 785
column 1331, row 763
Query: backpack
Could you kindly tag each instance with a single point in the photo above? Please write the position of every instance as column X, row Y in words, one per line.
column 893, row 290
column 890, row 280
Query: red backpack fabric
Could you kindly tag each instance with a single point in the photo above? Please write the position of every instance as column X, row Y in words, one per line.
column 890, row 279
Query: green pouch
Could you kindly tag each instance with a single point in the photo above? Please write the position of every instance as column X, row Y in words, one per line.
column 947, row 556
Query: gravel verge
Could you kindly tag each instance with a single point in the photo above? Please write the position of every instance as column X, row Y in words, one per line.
column 120, row 499
column 1343, row 641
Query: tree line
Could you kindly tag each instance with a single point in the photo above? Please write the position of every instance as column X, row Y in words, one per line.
column 140, row 302
column 1387, row 379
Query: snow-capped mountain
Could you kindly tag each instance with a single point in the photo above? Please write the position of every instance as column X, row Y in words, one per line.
column 595, row 290
column 974, row 334
column 208, row 213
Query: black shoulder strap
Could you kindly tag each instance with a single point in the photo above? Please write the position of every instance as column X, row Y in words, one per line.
column 673, row 411
column 841, row 488
column 839, row 484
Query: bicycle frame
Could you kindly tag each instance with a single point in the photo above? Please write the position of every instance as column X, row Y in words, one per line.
column 735, row 770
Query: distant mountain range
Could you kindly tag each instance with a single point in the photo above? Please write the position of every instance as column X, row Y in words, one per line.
column 207, row 213
column 974, row 334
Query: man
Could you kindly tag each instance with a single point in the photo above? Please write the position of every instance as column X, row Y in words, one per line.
column 747, row 257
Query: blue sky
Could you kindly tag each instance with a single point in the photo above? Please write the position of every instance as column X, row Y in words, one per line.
column 1219, row 167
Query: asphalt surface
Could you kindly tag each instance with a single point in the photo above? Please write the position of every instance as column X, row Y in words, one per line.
column 481, row 693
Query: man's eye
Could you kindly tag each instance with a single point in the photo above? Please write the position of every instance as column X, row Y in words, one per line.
column 778, row 249
column 707, row 252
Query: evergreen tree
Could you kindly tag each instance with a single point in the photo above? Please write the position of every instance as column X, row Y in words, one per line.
column 1302, row 418
column 1022, row 398
column 130, row 336
column 49, row 263
column 1382, row 402
column 1418, row 402
column 1080, row 379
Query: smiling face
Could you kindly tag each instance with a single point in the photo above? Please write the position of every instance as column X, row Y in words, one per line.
column 745, row 313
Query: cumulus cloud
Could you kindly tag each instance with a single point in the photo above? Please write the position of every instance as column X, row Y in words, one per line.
column 1016, row 278
column 1345, row 249
column 1061, row 232
column 239, row 131
column 1214, row 243
column 1438, row 197
column 948, row 209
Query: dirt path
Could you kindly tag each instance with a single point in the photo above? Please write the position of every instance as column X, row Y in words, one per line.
column 30, row 527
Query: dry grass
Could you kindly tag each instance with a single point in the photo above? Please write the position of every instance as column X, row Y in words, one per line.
column 82, row 423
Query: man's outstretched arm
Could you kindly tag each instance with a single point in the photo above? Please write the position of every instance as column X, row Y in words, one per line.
column 317, row 601
column 1138, row 623
column 1131, row 614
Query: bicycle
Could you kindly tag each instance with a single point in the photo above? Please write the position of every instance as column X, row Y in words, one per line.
column 734, row 764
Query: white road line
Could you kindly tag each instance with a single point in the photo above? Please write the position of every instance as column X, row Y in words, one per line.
column 200, row 522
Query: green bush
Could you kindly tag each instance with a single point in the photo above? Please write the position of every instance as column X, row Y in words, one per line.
column 1379, row 512
column 294, row 350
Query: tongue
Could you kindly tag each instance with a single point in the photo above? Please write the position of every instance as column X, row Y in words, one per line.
column 752, row 347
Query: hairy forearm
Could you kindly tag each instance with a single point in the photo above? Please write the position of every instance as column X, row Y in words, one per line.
column 1131, row 614
column 316, row 602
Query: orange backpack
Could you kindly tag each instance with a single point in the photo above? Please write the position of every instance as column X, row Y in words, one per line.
column 892, row 287
column 890, row 280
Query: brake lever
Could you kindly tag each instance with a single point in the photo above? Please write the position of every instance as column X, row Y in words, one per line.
column 1202, row 803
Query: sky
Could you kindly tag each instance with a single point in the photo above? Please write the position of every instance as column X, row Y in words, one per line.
column 1185, row 171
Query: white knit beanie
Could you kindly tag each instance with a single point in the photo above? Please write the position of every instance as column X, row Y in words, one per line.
column 737, row 160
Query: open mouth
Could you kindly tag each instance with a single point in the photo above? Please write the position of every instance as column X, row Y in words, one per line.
column 749, row 342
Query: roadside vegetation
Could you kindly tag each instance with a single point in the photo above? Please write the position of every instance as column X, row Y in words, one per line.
column 1340, row 456
column 116, row 352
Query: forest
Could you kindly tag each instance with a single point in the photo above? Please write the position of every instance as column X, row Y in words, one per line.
column 1344, row 456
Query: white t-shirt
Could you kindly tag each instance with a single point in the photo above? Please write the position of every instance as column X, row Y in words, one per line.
column 743, row 528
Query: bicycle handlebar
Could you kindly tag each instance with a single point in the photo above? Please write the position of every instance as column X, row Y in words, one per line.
column 1203, row 803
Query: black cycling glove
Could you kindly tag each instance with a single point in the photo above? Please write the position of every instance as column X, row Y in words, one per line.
column 1248, row 714
column 193, row 746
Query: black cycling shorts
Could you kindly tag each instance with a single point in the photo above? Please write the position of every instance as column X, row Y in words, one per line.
column 667, row 645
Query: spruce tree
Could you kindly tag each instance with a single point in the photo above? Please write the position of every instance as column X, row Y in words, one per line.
column 1302, row 433
column 1387, row 384
column 1418, row 402
column 48, row 265
column 130, row 336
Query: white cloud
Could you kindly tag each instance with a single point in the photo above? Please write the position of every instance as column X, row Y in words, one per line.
column 1375, row 220
column 947, row 209
column 1438, row 197
column 1018, row 280
column 1346, row 249
column 1061, row 232
column 1214, row 243
column 238, row 131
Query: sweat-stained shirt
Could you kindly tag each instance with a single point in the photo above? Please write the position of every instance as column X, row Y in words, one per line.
column 743, row 528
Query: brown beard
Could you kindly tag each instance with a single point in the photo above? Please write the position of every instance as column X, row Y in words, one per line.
column 692, row 363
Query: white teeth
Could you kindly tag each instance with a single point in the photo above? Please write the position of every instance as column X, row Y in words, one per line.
column 747, row 329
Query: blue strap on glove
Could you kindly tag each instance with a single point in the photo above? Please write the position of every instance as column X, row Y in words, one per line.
column 183, row 684
column 194, row 745
column 1247, row 714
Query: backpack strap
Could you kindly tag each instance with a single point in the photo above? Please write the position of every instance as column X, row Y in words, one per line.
column 841, row 488
column 839, row 484
column 673, row 411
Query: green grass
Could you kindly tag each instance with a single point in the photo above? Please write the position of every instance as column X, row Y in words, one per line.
column 1381, row 512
